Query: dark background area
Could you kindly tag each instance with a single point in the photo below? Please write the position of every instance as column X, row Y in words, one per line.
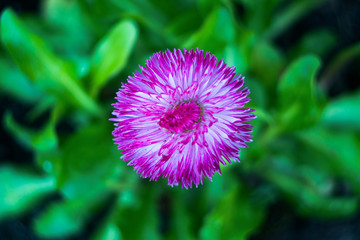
column 341, row 16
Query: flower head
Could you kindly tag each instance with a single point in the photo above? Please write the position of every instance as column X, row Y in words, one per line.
column 181, row 117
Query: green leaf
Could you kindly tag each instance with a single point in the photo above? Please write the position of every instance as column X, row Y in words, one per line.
column 234, row 44
column 179, row 30
column 59, row 220
column 341, row 150
column 109, row 231
column 259, row 14
column 112, row 53
column 66, row 218
column 208, row 37
column 266, row 63
column 36, row 60
column 89, row 157
column 43, row 142
column 69, row 27
column 297, row 96
column 13, row 82
column 258, row 93
column 236, row 55
column 299, row 185
column 21, row 189
column 127, row 217
column 182, row 221
column 318, row 42
column 337, row 63
column 145, row 11
column 343, row 113
column 234, row 217
column 290, row 15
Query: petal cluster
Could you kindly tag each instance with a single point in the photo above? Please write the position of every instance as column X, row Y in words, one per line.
column 181, row 116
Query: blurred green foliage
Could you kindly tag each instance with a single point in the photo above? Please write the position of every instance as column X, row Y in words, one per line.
column 70, row 60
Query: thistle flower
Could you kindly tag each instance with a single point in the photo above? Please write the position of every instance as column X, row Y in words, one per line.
column 181, row 117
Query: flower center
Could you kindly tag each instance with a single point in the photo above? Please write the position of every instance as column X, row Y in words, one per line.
column 181, row 118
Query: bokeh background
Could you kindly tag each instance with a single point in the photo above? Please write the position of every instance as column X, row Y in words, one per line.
column 61, row 62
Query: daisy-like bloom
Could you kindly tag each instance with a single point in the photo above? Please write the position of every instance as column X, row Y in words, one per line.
column 181, row 117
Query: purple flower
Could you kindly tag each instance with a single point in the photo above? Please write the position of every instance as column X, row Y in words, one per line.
column 181, row 117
